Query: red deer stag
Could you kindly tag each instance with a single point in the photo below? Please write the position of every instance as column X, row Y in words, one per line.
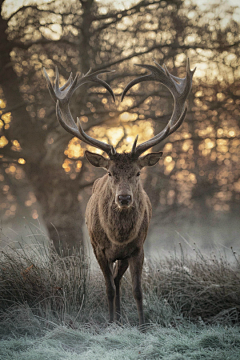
column 119, row 210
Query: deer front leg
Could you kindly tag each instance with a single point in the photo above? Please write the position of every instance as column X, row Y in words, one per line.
column 119, row 270
column 136, row 265
column 107, row 270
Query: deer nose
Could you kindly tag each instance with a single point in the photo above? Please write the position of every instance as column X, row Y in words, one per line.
column 124, row 199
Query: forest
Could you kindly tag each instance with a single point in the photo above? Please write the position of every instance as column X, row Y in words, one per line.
column 195, row 188
column 53, row 304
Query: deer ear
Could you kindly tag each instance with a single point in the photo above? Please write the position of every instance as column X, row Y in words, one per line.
column 149, row 159
column 97, row 160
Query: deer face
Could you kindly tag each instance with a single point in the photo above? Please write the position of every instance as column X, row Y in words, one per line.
column 123, row 174
column 123, row 178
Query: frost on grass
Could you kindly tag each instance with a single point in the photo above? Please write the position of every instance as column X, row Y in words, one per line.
column 53, row 308
column 118, row 343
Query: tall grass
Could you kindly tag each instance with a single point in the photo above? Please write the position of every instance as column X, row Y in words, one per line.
column 43, row 287
column 41, row 279
column 200, row 289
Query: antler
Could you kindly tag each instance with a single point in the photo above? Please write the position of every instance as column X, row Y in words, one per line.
column 179, row 88
column 62, row 98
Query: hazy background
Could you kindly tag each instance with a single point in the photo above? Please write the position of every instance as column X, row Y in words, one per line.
column 195, row 188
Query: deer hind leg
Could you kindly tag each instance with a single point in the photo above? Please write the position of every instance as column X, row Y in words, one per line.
column 136, row 265
column 119, row 270
column 107, row 270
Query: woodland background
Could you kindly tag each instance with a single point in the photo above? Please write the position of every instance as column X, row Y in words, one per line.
column 195, row 188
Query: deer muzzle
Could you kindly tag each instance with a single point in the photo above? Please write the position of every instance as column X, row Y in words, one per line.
column 123, row 201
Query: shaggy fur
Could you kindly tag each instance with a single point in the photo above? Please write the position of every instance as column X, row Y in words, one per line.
column 118, row 232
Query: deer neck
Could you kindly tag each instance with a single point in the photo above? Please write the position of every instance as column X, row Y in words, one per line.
column 122, row 225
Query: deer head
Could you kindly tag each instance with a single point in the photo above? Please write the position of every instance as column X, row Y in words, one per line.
column 123, row 169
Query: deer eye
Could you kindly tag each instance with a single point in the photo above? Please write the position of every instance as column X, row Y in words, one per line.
column 138, row 174
column 109, row 174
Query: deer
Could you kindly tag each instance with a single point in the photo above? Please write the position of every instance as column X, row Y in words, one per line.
column 118, row 212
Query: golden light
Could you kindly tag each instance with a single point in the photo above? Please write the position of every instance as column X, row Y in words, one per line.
column 129, row 139
column 168, row 159
column 231, row 133
column 2, row 104
column 16, row 146
column 67, row 165
column 95, row 150
column 6, row 119
column 220, row 96
column 199, row 93
column 168, row 147
column 186, row 145
column 3, row 141
column 115, row 134
column 21, row 161
column 52, row 32
column 207, row 131
column 12, row 169
column 169, row 168
column 83, row 119
column 181, row 163
column 127, row 101
column 78, row 166
column 74, row 149
column 126, row 116
column 209, row 144
column 192, row 178
column 213, row 156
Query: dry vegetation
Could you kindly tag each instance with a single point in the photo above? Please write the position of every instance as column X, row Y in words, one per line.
column 63, row 290
column 54, row 307
column 201, row 288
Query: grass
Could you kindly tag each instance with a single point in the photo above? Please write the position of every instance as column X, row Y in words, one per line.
column 54, row 307
column 116, row 343
column 200, row 288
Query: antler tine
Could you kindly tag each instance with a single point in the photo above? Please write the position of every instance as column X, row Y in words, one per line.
column 136, row 81
column 62, row 98
column 179, row 88
column 134, row 145
column 94, row 77
column 56, row 92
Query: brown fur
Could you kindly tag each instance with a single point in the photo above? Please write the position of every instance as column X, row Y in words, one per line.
column 117, row 233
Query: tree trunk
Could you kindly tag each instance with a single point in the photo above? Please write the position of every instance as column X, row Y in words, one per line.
column 61, row 210
column 55, row 192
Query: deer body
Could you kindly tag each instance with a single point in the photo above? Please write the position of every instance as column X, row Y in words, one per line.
column 117, row 232
column 120, row 227
column 119, row 211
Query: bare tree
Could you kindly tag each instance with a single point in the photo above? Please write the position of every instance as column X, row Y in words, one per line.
column 84, row 34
